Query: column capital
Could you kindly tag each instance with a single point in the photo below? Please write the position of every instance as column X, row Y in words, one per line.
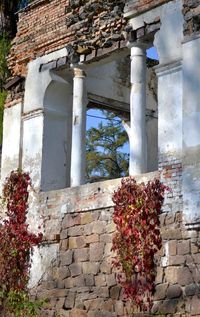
column 137, row 44
column 78, row 70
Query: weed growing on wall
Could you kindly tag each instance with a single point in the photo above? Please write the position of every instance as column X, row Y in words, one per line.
column 16, row 245
column 137, row 239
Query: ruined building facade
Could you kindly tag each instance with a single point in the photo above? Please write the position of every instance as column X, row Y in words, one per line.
column 72, row 54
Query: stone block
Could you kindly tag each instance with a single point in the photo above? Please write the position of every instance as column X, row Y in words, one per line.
column 159, row 275
column 161, row 291
column 100, row 280
column 169, row 306
column 64, row 234
column 106, row 237
column 177, row 259
column 108, row 251
column 184, row 276
column 92, row 238
column 96, row 251
column 88, row 229
column 86, row 218
column 174, row 291
column 111, row 279
column 192, row 289
column 76, row 242
column 89, row 279
column 63, row 313
column 169, row 219
column 68, row 221
column 69, row 282
column 105, row 266
column 69, row 301
column 194, row 248
column 115, row 292
column 183, row 247
column 56, row 293
column 107, row 306
column 171, row 234
column 195, row 306
column 76, row 312
column 172, row 247
column 119, row 307
column 102, row 292
column 66, row 257
column 93, row 304
column 79, row 281
column 196, row 258
column 75, row 231
column 64, row 244
column 99, row 227
column 81, row 255
column 106, row 215
column 75, row 269
column 171, row 274
column 90, row 267
column 60, row 303
column 111, row 227
column 63, row 272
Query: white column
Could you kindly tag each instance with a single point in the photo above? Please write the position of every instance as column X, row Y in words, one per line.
column 78, row 153
column 137, row 132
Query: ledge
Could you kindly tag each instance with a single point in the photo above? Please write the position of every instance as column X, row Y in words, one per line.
column 32, row 5
column 89, row 196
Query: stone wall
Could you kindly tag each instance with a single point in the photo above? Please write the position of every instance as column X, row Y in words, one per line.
column 192, row 19
column 79, row 280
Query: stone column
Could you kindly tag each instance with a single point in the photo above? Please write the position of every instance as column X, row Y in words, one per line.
column 78, row 153
column 137, row 131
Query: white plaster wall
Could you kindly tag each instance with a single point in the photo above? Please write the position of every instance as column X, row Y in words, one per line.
column 41, row 260
column 11, row 140
column 56, row 158
column 191, row 131
column 37, row 82
column 110, row 80
column 170, row 110
column 47, row 125
column 168, row 40
column 33, row 146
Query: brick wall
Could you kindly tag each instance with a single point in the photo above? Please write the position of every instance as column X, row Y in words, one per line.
column 47, row 26
column 81, row 282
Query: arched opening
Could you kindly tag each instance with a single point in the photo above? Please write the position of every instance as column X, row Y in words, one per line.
column 57, row 136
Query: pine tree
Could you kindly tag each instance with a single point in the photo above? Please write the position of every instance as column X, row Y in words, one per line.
column 104, row 150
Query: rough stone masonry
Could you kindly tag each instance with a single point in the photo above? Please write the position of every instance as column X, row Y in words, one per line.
column 66, row 56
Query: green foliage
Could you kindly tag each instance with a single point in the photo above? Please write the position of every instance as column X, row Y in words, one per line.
column 19, row 303
column 3, row 95
column 105, row 157
column 4, row 73
column 4, row 50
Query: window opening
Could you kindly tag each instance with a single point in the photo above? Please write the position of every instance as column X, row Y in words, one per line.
column 107, row 146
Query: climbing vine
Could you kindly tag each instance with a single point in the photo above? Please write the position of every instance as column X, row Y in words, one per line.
column 16, row 241
column 137, row 239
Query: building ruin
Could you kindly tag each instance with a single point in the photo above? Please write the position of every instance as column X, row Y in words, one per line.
column 67, row 55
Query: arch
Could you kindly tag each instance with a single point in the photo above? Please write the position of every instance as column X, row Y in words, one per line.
column 57, row 136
